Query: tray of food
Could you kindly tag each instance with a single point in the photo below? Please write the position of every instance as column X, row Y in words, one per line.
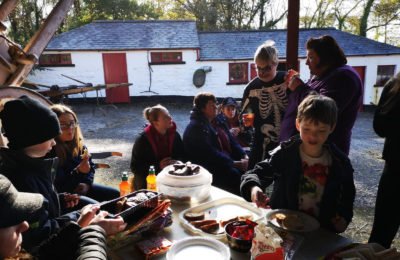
column 139, row 202
column 291, row 220
column 210, row 218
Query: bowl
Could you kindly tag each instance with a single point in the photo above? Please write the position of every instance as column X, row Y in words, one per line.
column 184, row 189
column 237, row 244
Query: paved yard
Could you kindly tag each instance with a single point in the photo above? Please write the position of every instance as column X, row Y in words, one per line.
column 114, row 129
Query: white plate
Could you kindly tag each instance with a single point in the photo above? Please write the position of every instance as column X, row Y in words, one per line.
column 309, row 223
column 198, row 248
column 221, row 209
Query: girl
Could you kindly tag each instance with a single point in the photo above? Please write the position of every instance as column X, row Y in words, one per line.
column 76, row 171
column 159, row 144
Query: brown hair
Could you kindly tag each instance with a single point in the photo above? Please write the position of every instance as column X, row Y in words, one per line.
column 328, row 51
column 75, row 146
column 267, row 52
column 318, row 108
column 200, row 100
column 394, row 94
column 151, row 114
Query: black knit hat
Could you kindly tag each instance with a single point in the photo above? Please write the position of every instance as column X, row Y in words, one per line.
column 16, row 207
column 28, row 122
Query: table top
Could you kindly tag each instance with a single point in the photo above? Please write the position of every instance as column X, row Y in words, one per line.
column 314, row 244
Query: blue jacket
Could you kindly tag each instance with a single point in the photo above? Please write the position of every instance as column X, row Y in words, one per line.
column 284, row 168
column 67, row 178
column 201, row 144
column 36, row 175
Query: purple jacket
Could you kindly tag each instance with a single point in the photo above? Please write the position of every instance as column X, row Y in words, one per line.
column 342, row 85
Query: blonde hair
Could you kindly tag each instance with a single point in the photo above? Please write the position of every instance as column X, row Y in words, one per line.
column 75, row 146
column 151, row 114
column 267, row 52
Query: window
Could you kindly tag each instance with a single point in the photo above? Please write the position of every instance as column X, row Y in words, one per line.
column 55, row 60
column 384, row 73
column 166, row 57
column 238, row 73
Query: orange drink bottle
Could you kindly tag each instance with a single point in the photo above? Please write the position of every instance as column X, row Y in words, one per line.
column 124, row 187
column 151, row 179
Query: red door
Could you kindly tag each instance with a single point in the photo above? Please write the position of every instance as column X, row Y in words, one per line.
column 115, row 71
column 361, row 72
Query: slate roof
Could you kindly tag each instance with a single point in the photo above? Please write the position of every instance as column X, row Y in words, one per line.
column 129, row 35
column 242, row 44
column 182, row 34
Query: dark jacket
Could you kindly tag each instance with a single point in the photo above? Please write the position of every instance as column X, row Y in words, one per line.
column 343, row 85
column 387, row 124
column 201, row 143
column 68, row 178
column 143, row 156
column 245, row 136
column 202, row 147
column 339, row 192
column 36, row 175
column 74, row 243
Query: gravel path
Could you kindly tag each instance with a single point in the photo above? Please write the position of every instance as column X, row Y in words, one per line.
column 111, row 128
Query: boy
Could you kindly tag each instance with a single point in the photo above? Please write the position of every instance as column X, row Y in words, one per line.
column 71, row 242
column 319, row 178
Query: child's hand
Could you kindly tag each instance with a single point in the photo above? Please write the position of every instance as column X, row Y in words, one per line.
column 111, row 226
column 82, row 188
column 339, row 223
column 294, row 83
column 84, row 165
column 235, row 131
column 71, row 200
column 258, row 197
column 87, row 214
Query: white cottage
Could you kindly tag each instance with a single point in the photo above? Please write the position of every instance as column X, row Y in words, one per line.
column 171, row 58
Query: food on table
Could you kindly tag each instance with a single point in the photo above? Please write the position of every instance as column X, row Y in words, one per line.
column 184, row 169
column 154, row 246
column 210, row 228
column 293, row 222
column 199, row 223
column 192, row 216
column 120, row 205
column 223, row 223
column 279, row 218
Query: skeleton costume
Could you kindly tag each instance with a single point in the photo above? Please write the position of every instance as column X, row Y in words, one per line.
column 268, row 101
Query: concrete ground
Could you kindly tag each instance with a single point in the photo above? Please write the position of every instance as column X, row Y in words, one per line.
column 110, row 128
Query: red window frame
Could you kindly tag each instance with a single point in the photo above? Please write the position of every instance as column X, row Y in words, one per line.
column 55, row 59
column 166, row 57
column 239, row 72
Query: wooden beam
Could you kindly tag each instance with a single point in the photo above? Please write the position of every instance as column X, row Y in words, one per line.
column 40, row 39
column 6, row 8
column 292, row 44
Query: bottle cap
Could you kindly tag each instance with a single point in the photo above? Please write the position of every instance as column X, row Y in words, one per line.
column 124, row 176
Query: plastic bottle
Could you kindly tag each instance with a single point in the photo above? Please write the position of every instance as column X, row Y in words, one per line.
column 124, row 187
column 151, row 179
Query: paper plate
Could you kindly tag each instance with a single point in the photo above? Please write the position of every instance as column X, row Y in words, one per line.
column 306, row 223
column 198, row 248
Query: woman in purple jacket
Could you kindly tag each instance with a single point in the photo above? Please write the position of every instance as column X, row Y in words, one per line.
column 330, row 77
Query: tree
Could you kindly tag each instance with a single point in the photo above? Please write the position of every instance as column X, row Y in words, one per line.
column 322, row 16
column 385, row 13
column 364, row 18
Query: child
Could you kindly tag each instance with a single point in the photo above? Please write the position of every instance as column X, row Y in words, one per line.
column 265, row 97
column 319, row 178
column 30, row 128
column 75, row 172
column 71, row 242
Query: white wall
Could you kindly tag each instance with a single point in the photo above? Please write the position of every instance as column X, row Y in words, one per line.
column 177, row 79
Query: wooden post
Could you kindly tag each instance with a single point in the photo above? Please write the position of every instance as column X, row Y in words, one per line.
column 6, row 8
column 40, row 40
column 292, row 43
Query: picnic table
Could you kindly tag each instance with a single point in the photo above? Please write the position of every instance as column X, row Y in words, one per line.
column 313, row 245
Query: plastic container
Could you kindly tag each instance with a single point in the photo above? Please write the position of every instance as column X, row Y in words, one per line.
column 192, row 188
column 124, row 187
